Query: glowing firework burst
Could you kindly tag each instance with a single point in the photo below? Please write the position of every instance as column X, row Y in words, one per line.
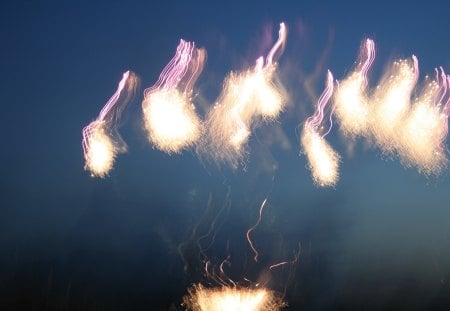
column 391, row 102
column 171, row 122
column 101, row 140
column 245, row 96
column 169, row 114
column 424, row 131
column 323, row 160
column 99, row 151
column 351, row 99
column 226, row 298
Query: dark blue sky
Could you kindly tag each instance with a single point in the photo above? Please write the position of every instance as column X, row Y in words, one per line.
column 380, row 239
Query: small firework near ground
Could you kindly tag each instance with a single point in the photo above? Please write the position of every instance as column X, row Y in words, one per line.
column 226, row 298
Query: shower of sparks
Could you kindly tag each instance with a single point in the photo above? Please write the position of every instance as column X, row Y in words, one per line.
column 323, row 160
column 246, row 97
column 101, row 141
column 424, row 131
column 391, row 103
column 351, row 98
column 169, row 114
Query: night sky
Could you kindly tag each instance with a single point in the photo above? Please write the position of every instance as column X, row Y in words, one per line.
column 378, row 240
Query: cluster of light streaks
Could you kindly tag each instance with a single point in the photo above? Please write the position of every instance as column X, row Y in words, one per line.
column 415, row 130
column 226, row 298
column 246, row 97
column 351, row 99
column 323, row 160
column 169, row 114
column 101, row 140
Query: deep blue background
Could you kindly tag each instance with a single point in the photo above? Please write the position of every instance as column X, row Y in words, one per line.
column 379, row 240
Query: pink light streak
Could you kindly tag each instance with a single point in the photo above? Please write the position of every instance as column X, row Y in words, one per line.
column 278, row 47
column 176, row 69
column 315, row 121
column 369, row 56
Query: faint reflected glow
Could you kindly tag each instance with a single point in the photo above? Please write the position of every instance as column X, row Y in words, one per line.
column 169, row 114
column 101, row 140
column 323, row 160
column 226, row 298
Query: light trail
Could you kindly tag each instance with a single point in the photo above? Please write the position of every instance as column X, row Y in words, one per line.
column 279, row 264
column 249, row 231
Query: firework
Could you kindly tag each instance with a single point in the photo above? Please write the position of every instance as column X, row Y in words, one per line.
column 351, row 98
column 101, row 140
column 169, row 114
column 323, row 160
column 246, row 97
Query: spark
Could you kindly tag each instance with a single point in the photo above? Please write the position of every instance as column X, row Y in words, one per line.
column 391, row 102
column 169, row 114
column 351, row 99
column 279, row 264
column 425, row 129
column 101, row 140
column 226, row 298
column 246, row 98
column 249, row 231
column 323, row 160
